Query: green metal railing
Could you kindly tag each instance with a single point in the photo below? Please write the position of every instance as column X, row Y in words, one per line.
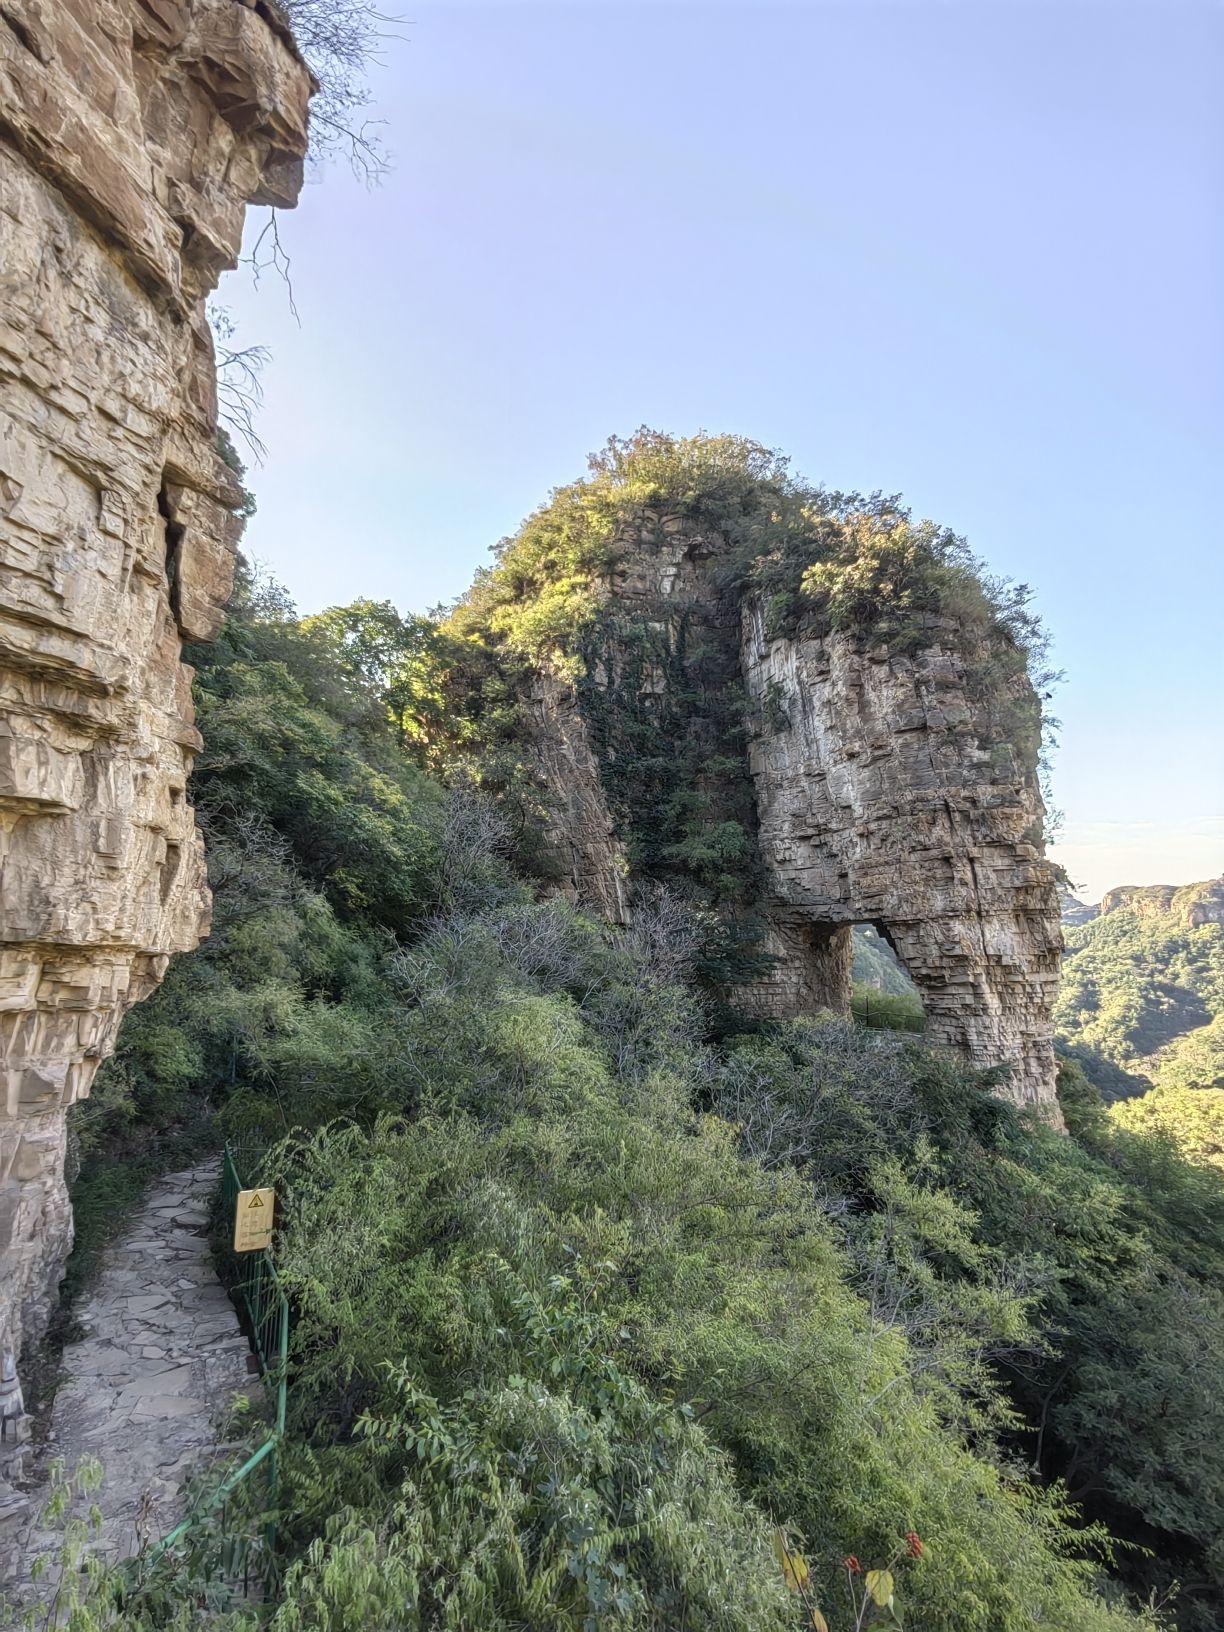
column 264, row 1311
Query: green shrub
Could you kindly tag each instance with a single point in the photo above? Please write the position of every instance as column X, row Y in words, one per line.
column 595, row 1291
column 1192, row 1118
column 887, row 1011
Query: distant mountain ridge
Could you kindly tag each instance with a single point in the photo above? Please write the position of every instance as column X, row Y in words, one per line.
column 1194, row 904
column 1142, row 997
column 1075, row 911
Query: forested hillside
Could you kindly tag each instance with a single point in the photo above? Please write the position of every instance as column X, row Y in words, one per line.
column 884, row 995
column 593, row 1302
column 1141, row 1010
column 1142, row 996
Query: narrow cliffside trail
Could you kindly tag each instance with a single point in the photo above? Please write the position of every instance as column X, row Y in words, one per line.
column 147, row 1386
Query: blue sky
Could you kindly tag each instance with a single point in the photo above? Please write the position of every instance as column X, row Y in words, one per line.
column 970, row 252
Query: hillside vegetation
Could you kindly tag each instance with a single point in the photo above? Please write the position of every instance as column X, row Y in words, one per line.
column 1141, row 1008
column 1142, row 997
column 599, row 1308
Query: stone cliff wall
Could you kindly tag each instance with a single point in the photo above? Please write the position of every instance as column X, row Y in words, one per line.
column 133, row 135
column 581, row 835
column 885, row 792
column 886, row 797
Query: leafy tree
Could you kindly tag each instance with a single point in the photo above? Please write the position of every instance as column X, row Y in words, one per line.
column 1193, row 1118
column 376, row 649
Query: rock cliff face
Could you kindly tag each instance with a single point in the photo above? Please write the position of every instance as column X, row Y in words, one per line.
column 1191, row 904
column 887, row 797
column 884, row 789
column 133, row 134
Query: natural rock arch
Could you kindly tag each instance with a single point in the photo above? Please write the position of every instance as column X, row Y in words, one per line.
column 884, row 800
column 884, row 791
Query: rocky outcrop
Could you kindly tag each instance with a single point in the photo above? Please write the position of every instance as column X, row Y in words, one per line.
column 133, row 135
column 580, row 835
column 885, row 789
column 886, row 796
column 1192, row 905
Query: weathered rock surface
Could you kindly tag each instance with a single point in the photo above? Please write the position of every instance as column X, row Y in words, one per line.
column 886, row 792
column 133, row 135
column 887, row 798
column 581, row 833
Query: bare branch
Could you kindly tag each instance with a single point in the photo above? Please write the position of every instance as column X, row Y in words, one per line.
column 239, row 388
column 340, row 39
column 268, row 254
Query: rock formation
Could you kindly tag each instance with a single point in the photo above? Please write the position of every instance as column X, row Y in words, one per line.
column 133, row 134
column 884, row 789
column 889, row 798
column 1191, row 904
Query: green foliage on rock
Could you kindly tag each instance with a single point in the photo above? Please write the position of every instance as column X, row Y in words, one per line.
column 856, row 561
column 573, row 599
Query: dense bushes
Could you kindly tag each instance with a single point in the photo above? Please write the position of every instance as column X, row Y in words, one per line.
column 586, row 1305
column 565, row 1266
column 324, row 842
column 1192, row 1118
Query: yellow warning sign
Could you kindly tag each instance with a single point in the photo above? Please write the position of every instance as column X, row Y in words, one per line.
column 253, row 1220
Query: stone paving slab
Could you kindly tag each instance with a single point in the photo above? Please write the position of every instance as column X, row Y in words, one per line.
column 148, row 1386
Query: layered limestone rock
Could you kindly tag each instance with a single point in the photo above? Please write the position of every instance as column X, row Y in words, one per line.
column 884, row 785
column 580, row 833
column 888, row 797
column 133, row 135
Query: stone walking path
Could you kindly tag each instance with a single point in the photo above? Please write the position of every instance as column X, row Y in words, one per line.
column 149, row 1383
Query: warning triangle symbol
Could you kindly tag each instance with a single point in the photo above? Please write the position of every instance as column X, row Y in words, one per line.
column 256, row 1200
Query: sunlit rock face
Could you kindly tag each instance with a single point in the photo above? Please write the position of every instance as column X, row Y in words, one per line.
column 133, row 135
column 884, row 792
column 886, row 798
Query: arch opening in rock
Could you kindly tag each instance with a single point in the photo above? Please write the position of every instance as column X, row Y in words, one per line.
column 883, row 996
